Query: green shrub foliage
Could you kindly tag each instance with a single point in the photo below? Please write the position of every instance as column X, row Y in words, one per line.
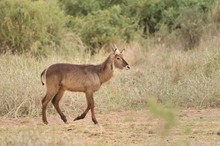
column 29, row 25
column 101, row 21
column 39, row 25
column 104, row 26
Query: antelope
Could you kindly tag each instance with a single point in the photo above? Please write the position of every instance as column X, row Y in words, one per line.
column 88, row 78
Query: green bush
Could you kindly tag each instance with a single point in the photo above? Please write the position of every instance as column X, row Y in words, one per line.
column 192, row 25
column 214, row 19
column 144, row 17
column 80, row 7
column 38, row 26
column 27, row 25
column 103, row 27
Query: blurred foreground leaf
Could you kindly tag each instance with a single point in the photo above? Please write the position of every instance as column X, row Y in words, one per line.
column 167, row 112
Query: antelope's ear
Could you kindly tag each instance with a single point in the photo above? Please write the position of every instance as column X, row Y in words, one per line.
column 122, row 50
column 115, row 49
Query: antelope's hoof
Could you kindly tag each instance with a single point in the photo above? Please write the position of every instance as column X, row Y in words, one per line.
column 45, row 122
column 64, row 119
column 95, row 121
column 78, row 118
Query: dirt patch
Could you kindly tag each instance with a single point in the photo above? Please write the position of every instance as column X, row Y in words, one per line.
column 199, row 114
column 195, row 127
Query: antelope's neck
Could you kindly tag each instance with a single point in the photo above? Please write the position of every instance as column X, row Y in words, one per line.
column 106, row 70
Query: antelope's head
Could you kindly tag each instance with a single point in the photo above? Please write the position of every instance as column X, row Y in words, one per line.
column 119, row 61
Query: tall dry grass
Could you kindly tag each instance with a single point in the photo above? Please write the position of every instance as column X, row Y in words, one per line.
column 189, row 79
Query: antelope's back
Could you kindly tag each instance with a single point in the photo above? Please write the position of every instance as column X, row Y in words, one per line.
column 74, row 77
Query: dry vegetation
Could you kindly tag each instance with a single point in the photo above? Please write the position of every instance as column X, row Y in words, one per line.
column 116, row 128
column 169, row 96
column 188, row 79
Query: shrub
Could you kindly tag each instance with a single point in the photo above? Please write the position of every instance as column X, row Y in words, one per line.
column 79, row 7
column 214, row 19
column 144, row 17
column 168, row 112
column 30, row 25
column 192, row 25
column 103, row 26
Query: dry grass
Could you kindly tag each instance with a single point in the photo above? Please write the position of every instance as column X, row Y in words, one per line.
column 189, row 79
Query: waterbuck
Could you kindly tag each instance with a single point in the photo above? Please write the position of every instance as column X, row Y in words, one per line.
column 79, row 78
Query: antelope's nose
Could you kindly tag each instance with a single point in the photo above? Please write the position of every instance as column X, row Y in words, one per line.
column 127, row 67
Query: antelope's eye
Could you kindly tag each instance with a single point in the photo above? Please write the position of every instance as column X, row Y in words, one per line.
column 118, row 58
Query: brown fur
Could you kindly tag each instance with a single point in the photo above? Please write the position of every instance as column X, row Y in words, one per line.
column 79, row 78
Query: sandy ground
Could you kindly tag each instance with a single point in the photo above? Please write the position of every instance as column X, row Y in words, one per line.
column 194, row 127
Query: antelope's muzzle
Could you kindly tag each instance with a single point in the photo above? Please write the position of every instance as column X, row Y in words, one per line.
column 127, row 67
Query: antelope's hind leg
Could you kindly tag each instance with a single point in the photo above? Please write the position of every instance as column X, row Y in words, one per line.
column 45, row 102
column 56, row 101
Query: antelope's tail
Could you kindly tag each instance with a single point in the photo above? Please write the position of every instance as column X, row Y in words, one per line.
column 43, row 77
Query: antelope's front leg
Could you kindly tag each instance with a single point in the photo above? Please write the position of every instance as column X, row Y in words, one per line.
column 90, row 105
column 82, row 116
column 92, row 111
